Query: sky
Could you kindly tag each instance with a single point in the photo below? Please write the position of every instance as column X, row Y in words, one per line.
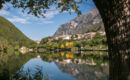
column 38, row 28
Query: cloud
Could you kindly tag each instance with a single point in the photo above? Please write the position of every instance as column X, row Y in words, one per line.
column 25, row 18
column 5, row 9
column 18, row 20
column 48, row 16
column 4, row 12
column 46, row 22
column 51, row 14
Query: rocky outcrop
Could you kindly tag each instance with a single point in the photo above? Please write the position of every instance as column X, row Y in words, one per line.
column 81, row 24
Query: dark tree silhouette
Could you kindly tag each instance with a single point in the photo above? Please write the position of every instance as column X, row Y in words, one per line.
column 116, row 18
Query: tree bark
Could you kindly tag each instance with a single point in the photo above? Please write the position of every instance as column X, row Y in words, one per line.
column 116, row 18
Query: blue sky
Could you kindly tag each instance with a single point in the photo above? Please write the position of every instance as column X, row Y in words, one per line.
column 38, row 28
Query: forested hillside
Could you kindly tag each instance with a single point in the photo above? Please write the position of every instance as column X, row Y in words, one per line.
column 9, row 34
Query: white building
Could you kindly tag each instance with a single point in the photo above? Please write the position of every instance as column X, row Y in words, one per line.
column 64, row 37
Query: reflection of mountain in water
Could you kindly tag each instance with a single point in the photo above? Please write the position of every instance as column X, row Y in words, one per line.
column 39, row 70
column 85, row 72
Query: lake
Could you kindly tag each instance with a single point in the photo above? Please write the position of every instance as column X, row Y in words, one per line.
column 54, row 66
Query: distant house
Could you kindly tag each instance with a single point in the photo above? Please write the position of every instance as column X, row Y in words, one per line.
column 90, row 34
column 67, row 37
column 30, row 50
column 80, row 36
column 64, row 37
column 102, row 33
column 24, row 49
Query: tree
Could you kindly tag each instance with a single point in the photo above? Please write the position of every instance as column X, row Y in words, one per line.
column 44, row 40
column 115, row 15
column 39, row 7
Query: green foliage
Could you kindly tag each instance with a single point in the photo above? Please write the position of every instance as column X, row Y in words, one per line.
column 44, row 40
column 40, row 7
column 98, row 41
column 10, row 35
column 9, row 69
column 78, row 44
column 10, row 49
column 8, row 64
column 92, row 30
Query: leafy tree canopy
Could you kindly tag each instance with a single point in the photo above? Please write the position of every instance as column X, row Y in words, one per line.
column 39, row 7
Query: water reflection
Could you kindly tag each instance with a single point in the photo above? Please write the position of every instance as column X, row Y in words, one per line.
column 38, row 69
column 54, row 66
column 84, row 71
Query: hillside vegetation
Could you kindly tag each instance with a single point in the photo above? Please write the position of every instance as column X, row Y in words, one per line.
column 10, row 35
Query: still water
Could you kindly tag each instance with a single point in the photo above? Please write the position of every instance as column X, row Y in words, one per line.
column 54, row 66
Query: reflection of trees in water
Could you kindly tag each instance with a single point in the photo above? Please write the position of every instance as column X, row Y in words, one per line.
column 9, row 64
column 30, row 73
column 22, row 75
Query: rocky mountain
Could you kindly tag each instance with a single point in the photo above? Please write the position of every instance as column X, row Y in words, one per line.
column 90, row 21
column 9, row 33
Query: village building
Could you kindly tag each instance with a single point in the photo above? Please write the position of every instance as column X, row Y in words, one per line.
column 80, row 36
column 24, row 49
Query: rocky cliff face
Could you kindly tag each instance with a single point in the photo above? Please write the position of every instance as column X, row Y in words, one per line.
column 81, row 24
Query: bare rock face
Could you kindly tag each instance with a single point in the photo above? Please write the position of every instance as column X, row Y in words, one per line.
column 81, row 24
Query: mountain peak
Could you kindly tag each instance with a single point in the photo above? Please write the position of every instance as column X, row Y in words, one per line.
column 80, row 24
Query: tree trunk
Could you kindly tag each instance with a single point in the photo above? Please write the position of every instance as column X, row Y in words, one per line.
column 116, row 18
